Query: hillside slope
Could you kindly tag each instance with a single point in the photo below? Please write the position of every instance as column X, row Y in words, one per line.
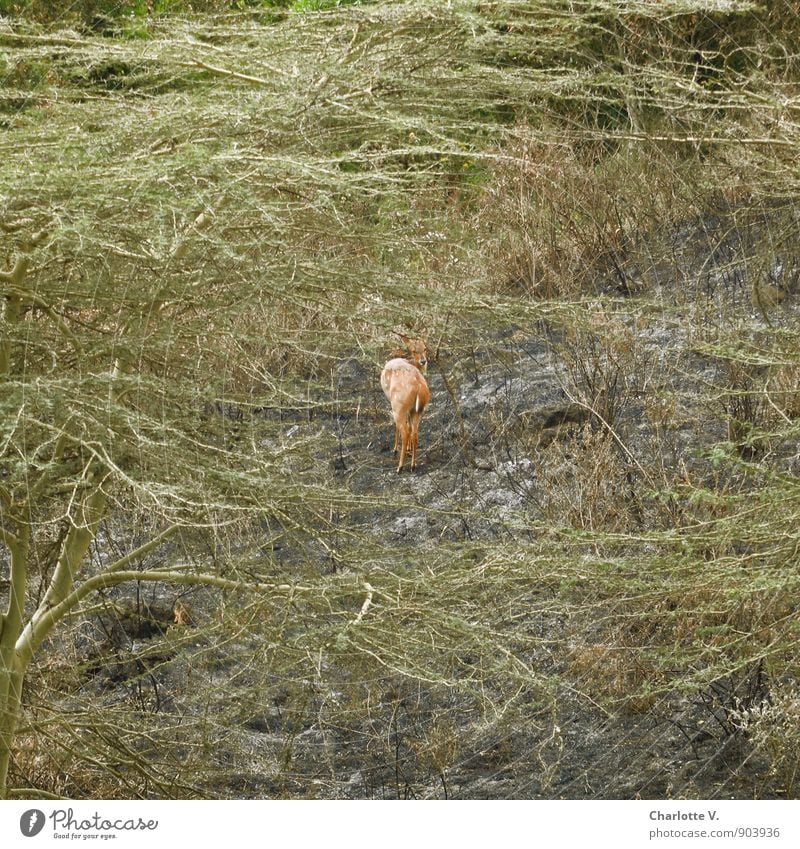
column 216, row 225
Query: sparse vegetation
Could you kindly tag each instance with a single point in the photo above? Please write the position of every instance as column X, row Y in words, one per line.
column 212, row 583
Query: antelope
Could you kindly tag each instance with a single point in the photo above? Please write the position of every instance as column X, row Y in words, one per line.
column 407, row 391
column 181, row 613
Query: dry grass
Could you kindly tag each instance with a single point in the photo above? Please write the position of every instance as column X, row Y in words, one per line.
column 237, row 209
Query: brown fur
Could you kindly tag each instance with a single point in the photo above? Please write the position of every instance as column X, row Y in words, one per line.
column 407, row 390
column 181, row 613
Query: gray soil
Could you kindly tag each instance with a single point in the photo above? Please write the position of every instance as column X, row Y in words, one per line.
column 507, row 418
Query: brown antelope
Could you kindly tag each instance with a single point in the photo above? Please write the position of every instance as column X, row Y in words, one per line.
column 181, row 613
column 407, row 391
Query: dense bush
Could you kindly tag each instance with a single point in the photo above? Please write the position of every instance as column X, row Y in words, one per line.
column 594, row 215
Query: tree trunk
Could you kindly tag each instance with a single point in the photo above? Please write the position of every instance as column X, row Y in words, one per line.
column 11, row 694
column 12, row 668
